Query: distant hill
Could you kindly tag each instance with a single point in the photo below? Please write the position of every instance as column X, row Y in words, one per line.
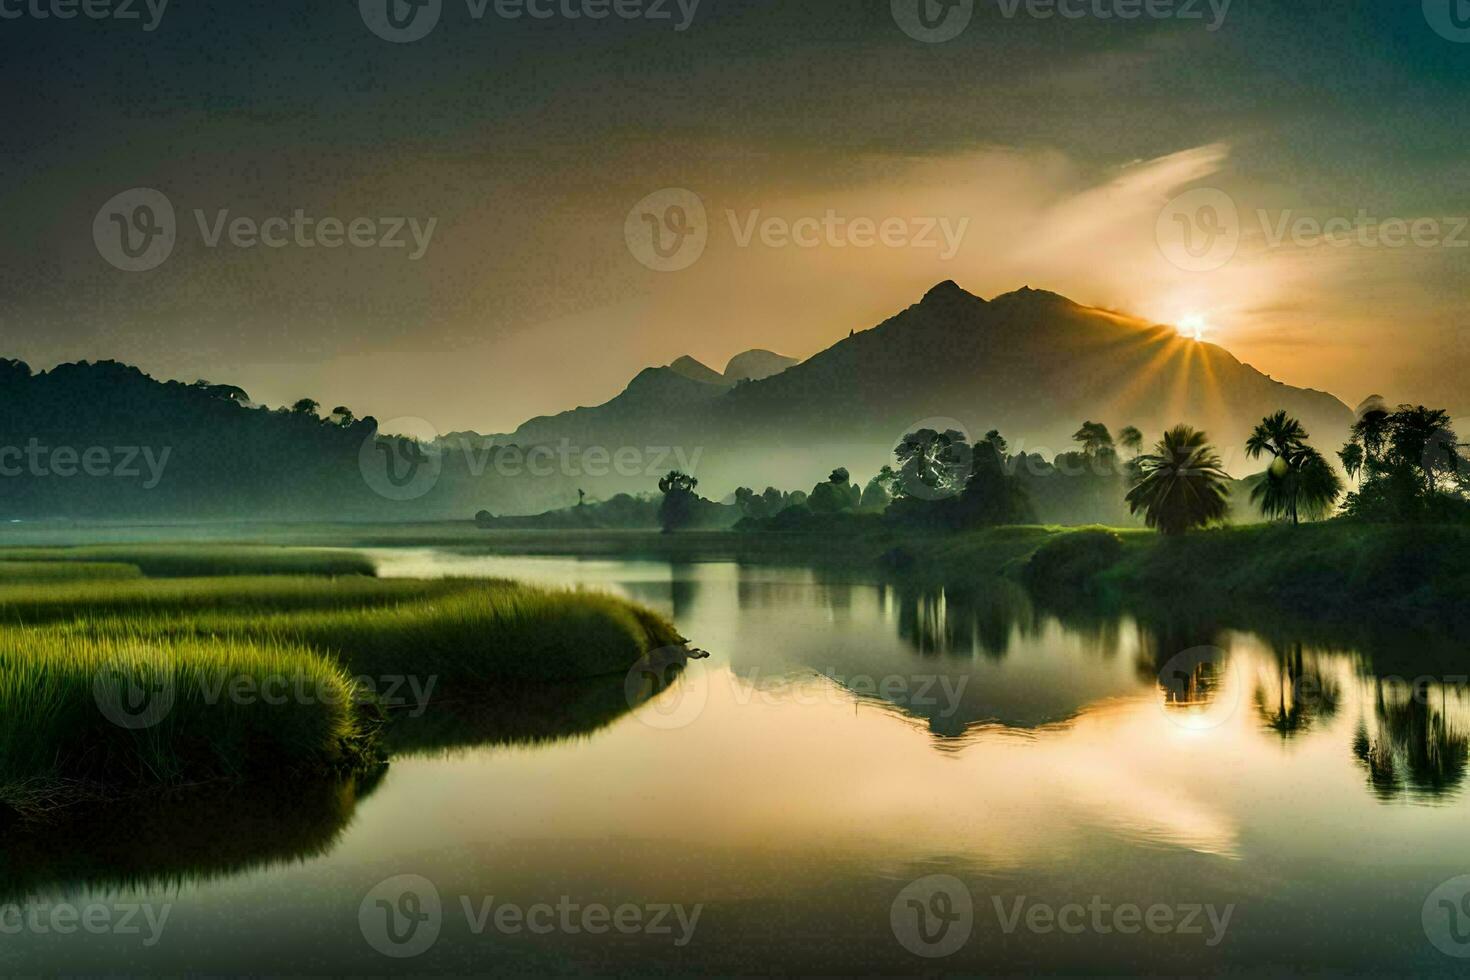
column 1030, row 363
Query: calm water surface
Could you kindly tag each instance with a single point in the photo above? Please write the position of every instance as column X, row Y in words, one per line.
column 798, row 790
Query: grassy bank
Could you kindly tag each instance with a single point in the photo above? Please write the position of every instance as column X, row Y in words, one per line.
column 197, row 561
column 1331, row 570
column 115, row 684
column 457, row 630
column 122, row 712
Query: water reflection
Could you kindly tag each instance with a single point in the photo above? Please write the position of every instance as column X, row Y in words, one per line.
column 843, row 735
column 508, row 714
column 1417, row 745
column 1297, row 693
column 166, row 840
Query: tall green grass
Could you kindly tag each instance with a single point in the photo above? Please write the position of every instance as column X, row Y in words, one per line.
column 243, row 596
column 61, row 571
column 195, row 641
column 122, row 711
column 456, row 629
column 197, row 561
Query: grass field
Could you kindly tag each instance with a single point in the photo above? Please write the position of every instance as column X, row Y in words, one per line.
column 197, row 560
column 115, row 682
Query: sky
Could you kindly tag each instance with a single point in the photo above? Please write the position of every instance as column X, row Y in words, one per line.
column 460, row 224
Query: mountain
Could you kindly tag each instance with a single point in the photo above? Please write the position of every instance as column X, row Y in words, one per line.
column 1031, row 363
column 756, row 365
column 651, row 408
column 105, row 441
column 688, row 367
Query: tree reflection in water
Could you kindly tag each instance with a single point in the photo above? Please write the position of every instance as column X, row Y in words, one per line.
column 1418, row 746
column 1299, row 694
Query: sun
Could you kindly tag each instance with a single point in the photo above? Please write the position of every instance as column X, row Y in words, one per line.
column 1193, row 325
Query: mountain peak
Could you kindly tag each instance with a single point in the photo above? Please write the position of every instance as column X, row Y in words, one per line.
column 756, row 365
column 694, row 370
column 948, row 292
column 1028, row 295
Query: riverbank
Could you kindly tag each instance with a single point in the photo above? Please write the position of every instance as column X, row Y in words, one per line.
column 116, row 684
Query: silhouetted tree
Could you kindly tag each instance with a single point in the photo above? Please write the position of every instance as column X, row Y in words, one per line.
column 1299, row 482
column 833, row 496
column 677, row 508
column 1094, row 437
column 305, row 406
column 876, row 496
column 1131, row 439
column 993, row 496
column 1181, row 484
column 1352, row 460
column 1410, row 465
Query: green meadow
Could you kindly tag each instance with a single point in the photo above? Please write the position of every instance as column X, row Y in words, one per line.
column 119, row 681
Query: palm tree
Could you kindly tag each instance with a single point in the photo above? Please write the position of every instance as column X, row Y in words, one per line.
column 1306, row 486
column 1182, row 485
column 1299, row 478
column 1278, row 434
